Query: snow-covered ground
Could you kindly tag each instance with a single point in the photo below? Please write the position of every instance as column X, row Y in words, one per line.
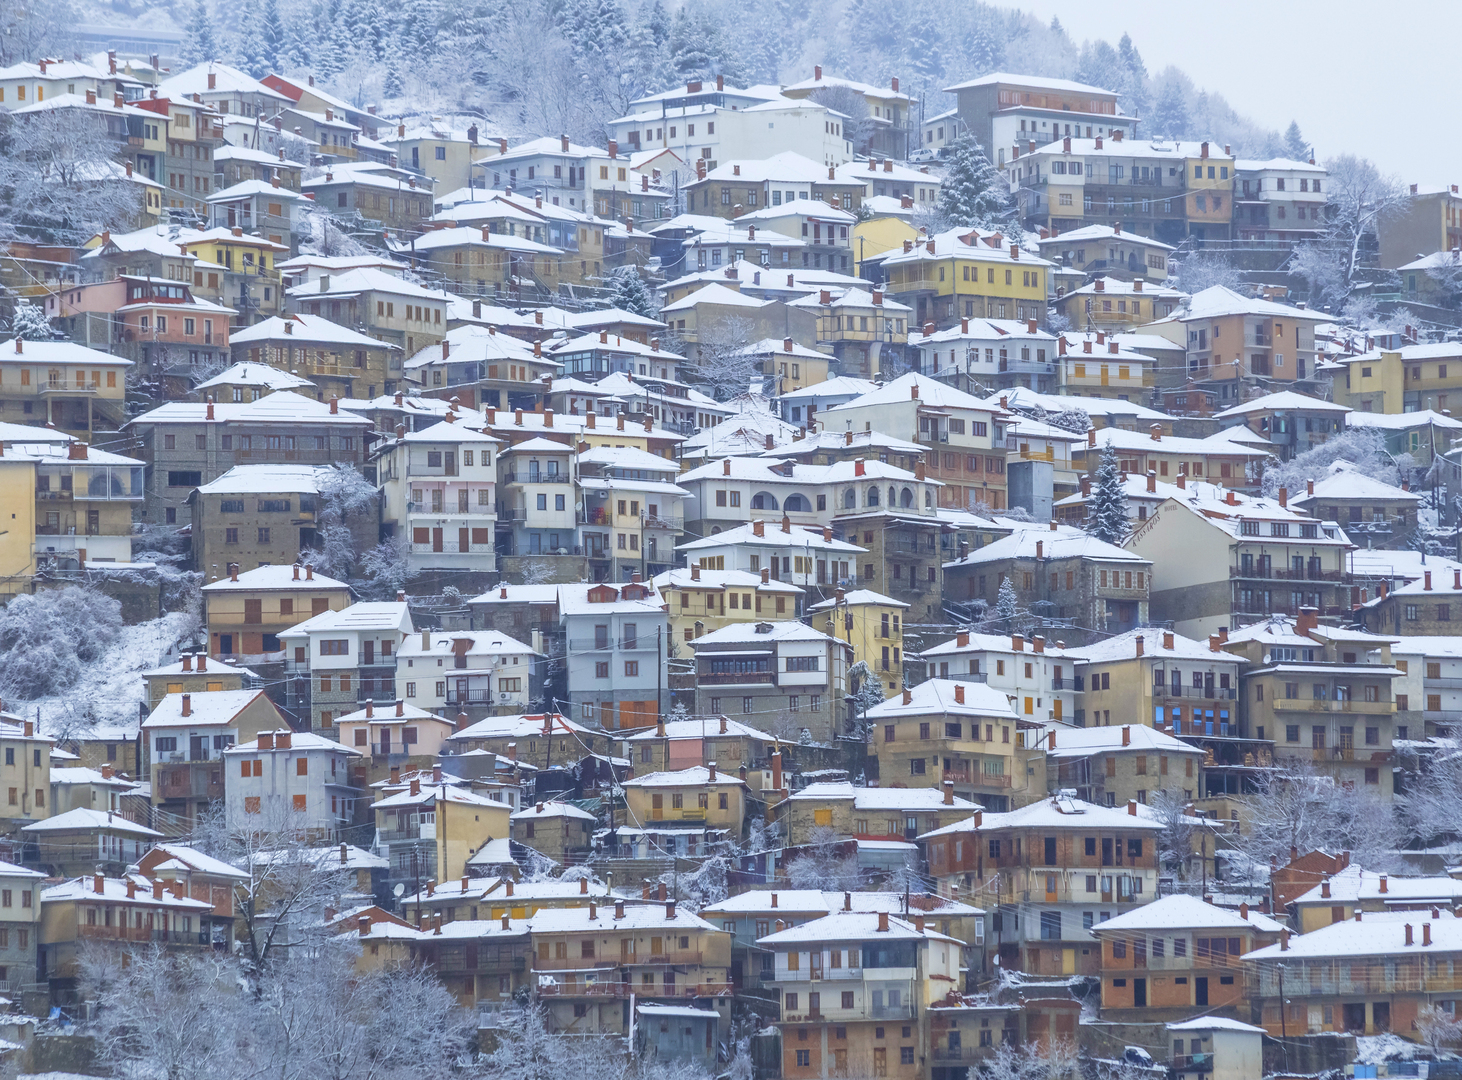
column 112, row 687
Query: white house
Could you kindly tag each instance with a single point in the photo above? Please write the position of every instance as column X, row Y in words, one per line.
column 481, row 673
column 440, row 488
column 289, row 779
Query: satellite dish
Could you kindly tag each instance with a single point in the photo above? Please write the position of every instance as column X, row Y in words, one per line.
column 398, row 891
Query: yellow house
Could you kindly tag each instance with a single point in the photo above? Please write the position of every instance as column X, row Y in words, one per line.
column 1209, row 198
column 968, row 274
column 698, row 795
column 251, row 280
column 705, row 600
column 873, row 624
column 464, row 824
column 881, row 234
column 1098, row 366
column 1376, row 381
column 17, row 494
column 788, row 365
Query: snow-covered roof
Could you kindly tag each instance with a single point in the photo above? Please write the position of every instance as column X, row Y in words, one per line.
column 938, row 696
column 1028, row 82
column 1182, row 912
column 1218, row 301
column 1055, row 544
column 115, row 890
column 714, row 293
column 854, row 926
column 298, row 740
column 523, row 726
column 552, row 809
column 771, row 537
column 213, row 78
column 1404, row 421
column 194, row 859
column 275, row 576
column 367, row 617
column 786, row 630
column 209, row 708
column 840, row 386
column 578, row 920
column 1355, row 885
column 83, row 818
column 1215, row 1023
column 1344, row 481
column 695, row 776
column 1155, row 643
column 1084, row 742
column 708, row 727
column 1057, row 812
column 1103, row 232
column 859, row 597
column 910, row 800
column 280, row 407
column 1000, row 643
column 1379, row 933
column 720, row 580
column 1282, row 401
column 315, row 329
column 817, row 900
column 259, row 375
column 926, row 391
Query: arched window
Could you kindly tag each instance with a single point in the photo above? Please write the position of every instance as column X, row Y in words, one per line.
column 873, row 496
column 893, row 497
column 764, row 500
column 796, row 504
column 850, row 499
column 906, row 498
column 928, row 498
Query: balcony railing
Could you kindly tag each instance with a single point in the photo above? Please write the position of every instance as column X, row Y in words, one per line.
column 537, row 478
column 737, row 678
column 1281, row 573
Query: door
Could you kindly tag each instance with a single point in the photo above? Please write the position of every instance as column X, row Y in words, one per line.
column 1200, row 991
column 253, row 612
column 1068, row 961
column 816, row 965
column 436, row 539
column 880, row 1061
column 197, row 748
column 385, row 740
column 368, row 652
column 463, row 544
column 657, row 807
column 1139, row 993
column 1381, row 1016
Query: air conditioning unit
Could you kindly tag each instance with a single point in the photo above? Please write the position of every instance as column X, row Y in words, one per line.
column 504, row 696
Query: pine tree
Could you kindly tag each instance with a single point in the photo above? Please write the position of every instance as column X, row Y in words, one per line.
column 271, row 35
column 628, row 292
column 1106, row 511
column 249, row 48
column 1169, row 117
column 1007, row 607
column 973, row 193
column 200, row 45
column 1295, row 147
column 30, row 322
column 1134, row 83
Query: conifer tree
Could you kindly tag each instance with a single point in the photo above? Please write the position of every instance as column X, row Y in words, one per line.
column 1106, row 511
column 628, row 292
column 200, row 45
column 973, row 193
column 1295, row 146
column 1169, row 117
column 271, row 35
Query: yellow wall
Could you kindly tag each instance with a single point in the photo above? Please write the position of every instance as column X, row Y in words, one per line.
column 17, row 523
column 877, row 235
column 868, row 639
column 462, row 829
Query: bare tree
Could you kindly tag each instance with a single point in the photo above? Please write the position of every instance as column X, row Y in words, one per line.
column 858, row 127
column 60, row 178
column 1297, row 806
column 345, row 497
column 1175, row 842
column 1361, row 198
column 823, row 866
column 721, row 364
column 1440, row 1030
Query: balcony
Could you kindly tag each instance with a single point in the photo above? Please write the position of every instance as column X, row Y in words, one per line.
column 1264, row 573
column 737, row 678
column 1207, row 693
column 66, row 386
column 1192, row 1063
column 451, row 547
column 142, row 934
column 537, row 478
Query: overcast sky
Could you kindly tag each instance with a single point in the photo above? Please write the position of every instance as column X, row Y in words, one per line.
column 1333, row 67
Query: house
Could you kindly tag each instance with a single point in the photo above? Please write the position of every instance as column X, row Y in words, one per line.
column 75, row 786
column 872, row 624
column 1429, row 220
column 668, row 953
column 450, row 823
column 390, row 198
column 1366, row 509
column 768, row 669
column 801, row 556
column 677, row 1033
column 1222, row 1048
column 540, row 740
column 202, row 877
column 706, row 600
column 1226, row 459
column 1070, row 581
column 482, row 963
column 482, row 673
column 442, row 152
column 294, row 781
column 338, row 658
column 19, row 923
column 1036, row 676
column 728, row 188
column 246, row 612
column 1178, row 954
column 338, row 361
column 1115, row 306
column 698, row 795
column 249, row 382
column 1281, row 200
column 1333, row 976
column 75, row 913
column 1079, row 864
column 1107, row 250
column 481, row 366
column 1349, row 889
column 886, row 177
column 557, row 830
column 191, row 444
column 1293, row 423
column 183, row 741
column 874, row 814
column 388, row 307
column 680, row 744
column 999, row 765
column 80, row 840
column 798, row 406
column 1236, row 343
column 439, row 490
column 975, row 356
column 394, row 737
column 279, row 211
column 1216, row 563
column 186, row 676
column 885, row 972
column 76, row 388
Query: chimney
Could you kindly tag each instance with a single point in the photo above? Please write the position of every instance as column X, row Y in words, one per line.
column 883, row 922
column 1126, row 735
column 1427, row 578
column 1383, row 883
column 1141, row 645
column 669, row 909
column 1325, row 889
column 1167, row 640
column 1051, row 740
column 187, row 661
column 187, row 704
column 1203, row 150
column 619, row 909
column 415, row 786
column 1408, row 933
column 212, row 81
column 777, row 769
column 1017, row 642
column 1284, row 940
column 1284, row 498
column 1426, row 933
column 949, row 792
column 1132, row 807
column 157, row 890
column 395, row 775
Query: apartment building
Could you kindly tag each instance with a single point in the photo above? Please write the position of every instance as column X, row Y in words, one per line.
column 194, row 443
column 1107, row 250
column 700, row 796
column 1279, row 200
column 731, row 188
column 1221, row 563
column 1238, row 343
column 1293, row 423
column 883, row 815
column 263, row 515
column 965, row 274
column 480, row 368
column 439, row 488
column 667, row 954
column 964, row 436
column 773, row 674
column 873, row 624
column 479, row 673
column 1056, row 868
column 1001, row 110
column 1369, row 510
column 885, row 972
column 618, row 640
column 1220, row 459
column 1429, row 221
column 246, row 611
column 1114, row 306
column 1111, row 766
column 79, row 390
column 386, row 306
column 864, row 331
column 919, row 740
column 338, row 658
column 631, row 510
